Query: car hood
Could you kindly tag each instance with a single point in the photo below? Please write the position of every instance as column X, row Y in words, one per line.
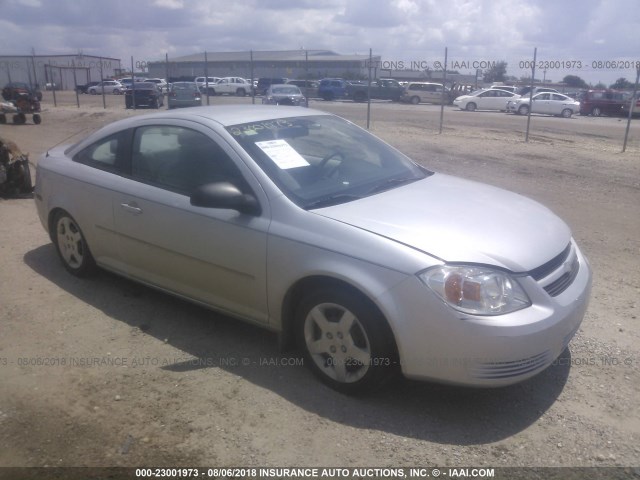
column 458, row 220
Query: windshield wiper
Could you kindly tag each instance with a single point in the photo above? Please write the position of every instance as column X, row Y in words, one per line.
column 391, row 183
column 332, row 200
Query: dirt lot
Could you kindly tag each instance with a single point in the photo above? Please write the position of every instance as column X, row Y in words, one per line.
column 103, row 372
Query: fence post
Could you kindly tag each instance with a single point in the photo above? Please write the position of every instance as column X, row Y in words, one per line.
column 632, row 104
column 369, row 89
column 206, row 76
column 253, row 90
column 75, row 83
column 133, row 86
column 52, row 81
column 444, row 81
column 533, row 76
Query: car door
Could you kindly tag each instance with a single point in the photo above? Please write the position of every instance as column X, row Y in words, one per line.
column 487, row 100
column 559, row 103
column 214, row 256
column 90, row 199
column 431, row 94
column 540, row 103
column 223, row 86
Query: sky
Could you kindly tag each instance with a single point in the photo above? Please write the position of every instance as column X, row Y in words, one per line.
column 598, row 40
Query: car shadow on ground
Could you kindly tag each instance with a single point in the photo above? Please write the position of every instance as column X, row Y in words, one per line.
column 427, row 411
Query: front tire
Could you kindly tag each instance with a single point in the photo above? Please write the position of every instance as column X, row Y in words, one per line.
column 566, row 113
column 523, row 110
column 596, row 112
column 471, row 107
column 346, row 340
column 71, row 246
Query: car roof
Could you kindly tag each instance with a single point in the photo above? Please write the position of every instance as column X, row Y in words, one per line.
column 224, row 115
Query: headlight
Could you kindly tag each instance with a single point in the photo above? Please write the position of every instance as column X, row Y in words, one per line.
column 476, row 290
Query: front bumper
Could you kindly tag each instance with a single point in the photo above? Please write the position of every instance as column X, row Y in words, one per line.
column 438, row 343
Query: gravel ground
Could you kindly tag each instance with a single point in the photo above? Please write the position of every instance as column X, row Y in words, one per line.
column 103, row 372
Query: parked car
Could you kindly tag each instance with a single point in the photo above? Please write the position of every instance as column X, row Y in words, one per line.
column 232, row 86
column 546, row 103
column 128, row 81
column 627, row 105
column 265, row 82
column 107, row 86
column 184, row 94
column 303, row 223
column 143, row 94
column 508, row 88
column 84, row 87
column 424, row 92
column 332, row 88
column 12, row 90
column 283, row 94
column 160, row 82
column 603, row 102
column 380, row 89
column 309, row 88
column 524, row 91
column 206, row 84
column 488, row 99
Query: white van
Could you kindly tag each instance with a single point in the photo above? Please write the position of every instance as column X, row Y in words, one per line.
column 416, row 92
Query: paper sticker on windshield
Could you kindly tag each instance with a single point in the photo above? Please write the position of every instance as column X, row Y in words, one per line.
column 283, row 154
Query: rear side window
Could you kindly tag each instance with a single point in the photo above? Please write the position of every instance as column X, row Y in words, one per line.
column 106, row 154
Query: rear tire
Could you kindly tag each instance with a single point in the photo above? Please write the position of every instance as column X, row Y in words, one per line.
column 346, row 341
column 71, row 246
column 37, row 119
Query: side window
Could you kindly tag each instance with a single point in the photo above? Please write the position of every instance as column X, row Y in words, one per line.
column 105, row 154
column 180, row 159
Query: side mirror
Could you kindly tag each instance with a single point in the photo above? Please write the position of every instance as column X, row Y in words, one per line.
column 225, row 195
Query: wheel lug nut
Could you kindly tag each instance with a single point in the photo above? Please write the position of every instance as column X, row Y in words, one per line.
column 344, row 349
column 329, row 336
column 332, row 349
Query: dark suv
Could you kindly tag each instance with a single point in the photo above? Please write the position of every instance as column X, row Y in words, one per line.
column 602, row 102
column 331, row 88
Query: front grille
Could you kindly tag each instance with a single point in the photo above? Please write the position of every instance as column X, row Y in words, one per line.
column 552, row 265
column 515, row 368
column 561, row 284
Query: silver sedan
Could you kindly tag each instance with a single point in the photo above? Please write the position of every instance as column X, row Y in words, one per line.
column 546, row 103
column 305, row 224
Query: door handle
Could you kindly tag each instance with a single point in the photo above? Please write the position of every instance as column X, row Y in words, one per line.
column 132, row 208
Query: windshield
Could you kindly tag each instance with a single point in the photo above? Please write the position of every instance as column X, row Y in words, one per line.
column 323, row 160
column 285, row 90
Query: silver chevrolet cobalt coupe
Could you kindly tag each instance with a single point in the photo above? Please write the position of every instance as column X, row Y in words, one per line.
column 305, row 224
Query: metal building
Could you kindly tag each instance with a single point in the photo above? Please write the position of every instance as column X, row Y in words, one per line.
column 44, row 71
column 293, row 64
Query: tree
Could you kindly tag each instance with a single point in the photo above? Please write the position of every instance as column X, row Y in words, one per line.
column 599, row 86
column 622, row 84
column 575, row 81
column 495, row 73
